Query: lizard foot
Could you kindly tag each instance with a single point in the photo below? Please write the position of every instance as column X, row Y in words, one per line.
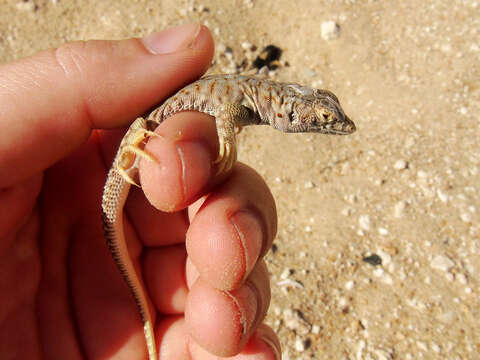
column 131, row 149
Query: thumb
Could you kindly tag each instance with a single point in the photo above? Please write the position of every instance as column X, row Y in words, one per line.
column 50, row 102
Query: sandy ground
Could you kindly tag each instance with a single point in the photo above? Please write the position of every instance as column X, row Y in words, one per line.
column 403, row 187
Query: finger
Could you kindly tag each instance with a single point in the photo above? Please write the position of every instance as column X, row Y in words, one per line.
column 51, row 101
column 175, row 344
column 262, row 345
column 164, row 271
column 223, row 321
column 155, row 228
column 185, row 152
column 232, row 229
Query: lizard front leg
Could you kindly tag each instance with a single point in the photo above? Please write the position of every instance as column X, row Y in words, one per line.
column 131, row 150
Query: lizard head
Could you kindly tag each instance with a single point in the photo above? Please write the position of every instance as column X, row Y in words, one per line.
column 318, row 111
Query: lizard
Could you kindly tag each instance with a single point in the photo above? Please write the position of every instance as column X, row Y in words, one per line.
column 234, row 101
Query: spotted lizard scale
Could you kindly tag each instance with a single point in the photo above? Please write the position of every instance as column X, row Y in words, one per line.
column 234, row 101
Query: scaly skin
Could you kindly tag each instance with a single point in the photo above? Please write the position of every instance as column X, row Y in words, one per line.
column 234, row 101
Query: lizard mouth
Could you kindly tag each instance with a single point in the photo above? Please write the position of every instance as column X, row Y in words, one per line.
column 344, row 127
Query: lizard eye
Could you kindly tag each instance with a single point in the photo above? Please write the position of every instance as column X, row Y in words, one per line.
column 323, row 114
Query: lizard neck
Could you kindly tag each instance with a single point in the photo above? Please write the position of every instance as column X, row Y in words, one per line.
column 274, row 103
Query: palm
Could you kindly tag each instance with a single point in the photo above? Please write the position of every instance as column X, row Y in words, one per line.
column 64, row 271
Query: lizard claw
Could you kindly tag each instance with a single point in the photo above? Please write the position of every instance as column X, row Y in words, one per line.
column 226, row 157
column 131, row 149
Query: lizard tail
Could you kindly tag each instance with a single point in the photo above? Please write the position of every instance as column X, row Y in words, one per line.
column 114, row 197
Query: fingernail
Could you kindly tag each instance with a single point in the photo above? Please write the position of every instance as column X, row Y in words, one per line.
column 250, row 234
column 268, row 339
column 246, row 302
column 173, row 39
column 271, row 343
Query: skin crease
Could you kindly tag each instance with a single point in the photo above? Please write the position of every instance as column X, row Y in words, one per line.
column 62, row 296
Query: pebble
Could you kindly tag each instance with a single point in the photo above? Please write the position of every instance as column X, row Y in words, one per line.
column 400, row 165
column 295, row 321
column 422, row 174
column 300, row 344
column 435, row 347
column 399, row 209
column 442, row 196
column 383, row 354
column 466, row 217
column 309, row 184
column 378, row 272
column 462, row 279
column 373, row 260
column 441, row 262
column 286, row 273
column 247, row 46
column 382, row 231
column 349, row 285
column 26, row 6
column 364, row 222
column 330, row 30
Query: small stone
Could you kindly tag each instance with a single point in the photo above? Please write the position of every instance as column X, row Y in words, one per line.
column 286, row 273
column 364, row 222
column 26, row 6
column 399, row 209
column 422, row 345
column 378, row 272
column 400, row 165
column 373, row 259
column 349, row 285
column 309, row 184
column 383, row 354
column 442, row 196
column 435, row 347
column 300, row 345
column 422, row 174
column 386, row 279
column 315, row 329
column 385, row 257
column 247, row 46
column 330, row 30
column 221, row 48
column 442, row 263
column 462, row 279
column 466, row 217
column 382, row 231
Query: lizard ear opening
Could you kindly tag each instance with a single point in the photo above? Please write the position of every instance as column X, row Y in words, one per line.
column 151, row 125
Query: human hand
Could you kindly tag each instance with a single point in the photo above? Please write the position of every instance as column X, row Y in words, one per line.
column 61, row 294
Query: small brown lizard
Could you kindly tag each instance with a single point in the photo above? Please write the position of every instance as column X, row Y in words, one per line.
column 234, row 101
